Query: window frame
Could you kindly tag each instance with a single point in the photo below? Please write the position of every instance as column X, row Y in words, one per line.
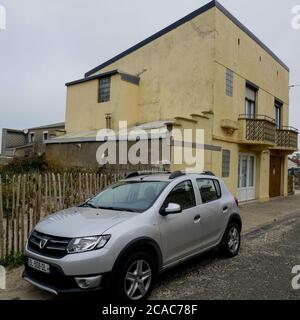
column 229, row 81
column 215, row 183
column 47, row 133
column 193, row 189
column 31, row 137
column 104, row 96
column 278, row 107
column 229, row 163
column 252, row 102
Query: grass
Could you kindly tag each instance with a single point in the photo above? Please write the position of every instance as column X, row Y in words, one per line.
column 13, row 260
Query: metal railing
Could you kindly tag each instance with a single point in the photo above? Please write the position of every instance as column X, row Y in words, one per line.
column 287, row 137
column 259, row 128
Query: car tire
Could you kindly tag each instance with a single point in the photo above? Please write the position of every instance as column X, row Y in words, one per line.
column 231, row 242
column 135, row 277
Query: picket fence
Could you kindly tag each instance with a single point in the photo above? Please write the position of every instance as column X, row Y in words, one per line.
column 26, row 198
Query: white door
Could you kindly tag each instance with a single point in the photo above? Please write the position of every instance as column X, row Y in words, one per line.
column 246, row 177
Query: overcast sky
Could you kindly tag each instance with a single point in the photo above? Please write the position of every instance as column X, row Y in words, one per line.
column 48, row 43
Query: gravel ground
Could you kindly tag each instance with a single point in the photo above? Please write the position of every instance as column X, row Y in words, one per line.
column 261, row 271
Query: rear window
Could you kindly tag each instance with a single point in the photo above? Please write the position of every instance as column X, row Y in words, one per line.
column 210, row 190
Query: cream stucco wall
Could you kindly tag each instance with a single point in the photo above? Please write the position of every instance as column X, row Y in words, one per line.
column 183, row 73
column 85, row 113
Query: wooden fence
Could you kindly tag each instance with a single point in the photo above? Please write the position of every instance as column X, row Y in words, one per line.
column 25, row 199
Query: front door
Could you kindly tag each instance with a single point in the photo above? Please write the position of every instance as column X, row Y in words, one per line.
column 275, row 176
column 246, row 177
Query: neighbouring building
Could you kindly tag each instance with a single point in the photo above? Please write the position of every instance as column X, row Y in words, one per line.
column 207, row 71
column 29, row 142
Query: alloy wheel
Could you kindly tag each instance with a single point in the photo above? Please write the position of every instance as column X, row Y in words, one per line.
column 138, row 280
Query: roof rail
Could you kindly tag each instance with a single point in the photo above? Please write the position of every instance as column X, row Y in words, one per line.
column 145, row 173
column 208, row 173
column 176, row 174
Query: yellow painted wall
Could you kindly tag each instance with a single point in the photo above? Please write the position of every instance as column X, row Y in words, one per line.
column 85, row 113
column 249, row 62
column 176, row 71
column 183, row 73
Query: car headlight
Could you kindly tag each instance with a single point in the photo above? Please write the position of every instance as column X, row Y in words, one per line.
column 78, row 245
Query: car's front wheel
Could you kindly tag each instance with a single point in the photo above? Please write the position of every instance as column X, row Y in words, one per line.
column 135, row 277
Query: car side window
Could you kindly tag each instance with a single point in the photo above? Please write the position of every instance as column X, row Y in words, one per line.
column 182, row 194
column 210, row 189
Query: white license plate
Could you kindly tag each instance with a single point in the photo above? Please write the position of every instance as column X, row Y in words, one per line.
column 37, row 265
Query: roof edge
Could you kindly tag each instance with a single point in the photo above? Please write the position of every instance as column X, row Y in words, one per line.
column 203, row 9
column 98, row 76
column 231, row 17
column 155, row 36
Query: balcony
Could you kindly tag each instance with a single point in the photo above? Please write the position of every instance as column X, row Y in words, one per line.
column 259, row 129
column 287, row 137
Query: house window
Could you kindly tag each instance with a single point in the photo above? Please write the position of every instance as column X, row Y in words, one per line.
column 278, row 114
column 104, row 90
column 45, row 135
column 250, row 102
column 229, row 82
column 31, row 137
column 225, row 163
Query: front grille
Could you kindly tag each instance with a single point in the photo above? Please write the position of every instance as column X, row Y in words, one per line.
column 54, row 247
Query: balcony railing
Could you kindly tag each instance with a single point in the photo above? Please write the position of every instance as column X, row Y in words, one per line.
column 287, row 137
column 258, row 129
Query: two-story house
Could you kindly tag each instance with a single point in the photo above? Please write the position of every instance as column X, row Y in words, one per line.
column 207, row 71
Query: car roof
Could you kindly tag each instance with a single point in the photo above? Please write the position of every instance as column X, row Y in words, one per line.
column 166, row 177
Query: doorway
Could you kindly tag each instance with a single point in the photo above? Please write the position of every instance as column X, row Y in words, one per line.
column 246, row 177
column 275, row 176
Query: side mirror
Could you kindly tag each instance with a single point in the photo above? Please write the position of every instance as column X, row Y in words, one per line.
column 172, row 208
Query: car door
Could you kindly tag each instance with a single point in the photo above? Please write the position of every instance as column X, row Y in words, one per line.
column 213, row 211
column 180, row 233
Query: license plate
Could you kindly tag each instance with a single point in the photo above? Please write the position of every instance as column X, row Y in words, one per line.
column 37, row 265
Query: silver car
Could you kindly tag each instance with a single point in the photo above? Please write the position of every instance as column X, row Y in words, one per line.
column 125, row 236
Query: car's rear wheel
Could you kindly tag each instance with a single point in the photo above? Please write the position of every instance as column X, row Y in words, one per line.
column 231, row 243
column 135, row 277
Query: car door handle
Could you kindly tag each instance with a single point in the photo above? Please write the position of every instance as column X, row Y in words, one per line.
column 197, row 218
column 225, row 209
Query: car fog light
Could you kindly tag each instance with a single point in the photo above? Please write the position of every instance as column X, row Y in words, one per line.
column 88, row 283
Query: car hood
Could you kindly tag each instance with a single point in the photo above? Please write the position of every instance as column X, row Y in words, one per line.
column 82, row 222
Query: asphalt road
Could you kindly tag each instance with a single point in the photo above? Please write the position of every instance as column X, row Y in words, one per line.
column 263, row 270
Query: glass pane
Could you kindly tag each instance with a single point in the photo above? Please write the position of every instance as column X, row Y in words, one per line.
column 208, row 190
column 135, row 196
column 244, row 172
column 239, row 173
column 251, row 171
column 182, row 194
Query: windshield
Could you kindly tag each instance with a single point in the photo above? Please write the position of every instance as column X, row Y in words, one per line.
column 135, row 196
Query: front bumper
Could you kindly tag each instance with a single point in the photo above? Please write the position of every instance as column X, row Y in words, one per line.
column 58, row 282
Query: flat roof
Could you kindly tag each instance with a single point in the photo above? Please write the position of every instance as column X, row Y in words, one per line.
column 208, row 6
column 125, row 76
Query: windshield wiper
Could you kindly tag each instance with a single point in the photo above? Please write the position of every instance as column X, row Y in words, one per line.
column 88, row 204
column 118, row 209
